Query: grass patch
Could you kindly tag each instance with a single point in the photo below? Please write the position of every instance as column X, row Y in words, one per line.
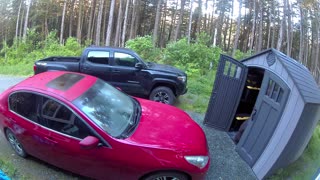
column 199, row 92
column 17, row 69
column 8, row 168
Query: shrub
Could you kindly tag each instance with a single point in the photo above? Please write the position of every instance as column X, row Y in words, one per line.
column 144, row 47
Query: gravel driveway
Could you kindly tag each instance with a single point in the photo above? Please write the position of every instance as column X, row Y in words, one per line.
column 225, row 162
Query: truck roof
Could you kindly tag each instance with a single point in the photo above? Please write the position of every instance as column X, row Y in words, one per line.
column 68, row 85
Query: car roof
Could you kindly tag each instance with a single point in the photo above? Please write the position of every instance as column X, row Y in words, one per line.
column 68, row 85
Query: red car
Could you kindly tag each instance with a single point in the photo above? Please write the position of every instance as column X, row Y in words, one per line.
column 80, row 123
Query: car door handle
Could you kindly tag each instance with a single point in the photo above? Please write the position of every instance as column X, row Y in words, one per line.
column 116, row 71
column 51, row 140
column 254, row 112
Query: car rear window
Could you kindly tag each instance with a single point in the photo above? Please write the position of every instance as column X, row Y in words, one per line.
column 65, row 81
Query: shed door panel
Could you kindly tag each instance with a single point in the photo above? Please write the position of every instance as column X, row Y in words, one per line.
column 226, row 94
column 264, row 119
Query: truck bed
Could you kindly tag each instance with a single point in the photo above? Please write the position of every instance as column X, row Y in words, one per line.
column 57, row 63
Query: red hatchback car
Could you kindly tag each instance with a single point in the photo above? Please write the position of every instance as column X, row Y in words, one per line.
column 80, row 123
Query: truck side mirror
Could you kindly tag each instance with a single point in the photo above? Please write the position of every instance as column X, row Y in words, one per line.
column 139, row 66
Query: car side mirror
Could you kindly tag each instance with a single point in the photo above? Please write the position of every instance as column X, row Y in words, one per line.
column 89, row 142
column 139, row 66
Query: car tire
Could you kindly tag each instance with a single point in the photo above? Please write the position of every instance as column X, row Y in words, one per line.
column 167, row 176
column 15, row 144
column 163, row 94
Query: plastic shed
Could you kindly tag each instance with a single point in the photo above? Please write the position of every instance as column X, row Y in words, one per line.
column 274, row 99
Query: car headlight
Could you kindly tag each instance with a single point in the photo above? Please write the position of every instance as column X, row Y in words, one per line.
column 182, row 78
column 199, row 161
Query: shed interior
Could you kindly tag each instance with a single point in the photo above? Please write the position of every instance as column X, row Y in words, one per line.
column 248, row 98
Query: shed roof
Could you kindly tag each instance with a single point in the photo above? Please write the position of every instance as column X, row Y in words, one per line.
column 300, row 75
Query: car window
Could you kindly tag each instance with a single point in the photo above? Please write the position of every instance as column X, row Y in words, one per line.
column 24, row 104
column 62, row 119
column 99, row 57
column 123, row 59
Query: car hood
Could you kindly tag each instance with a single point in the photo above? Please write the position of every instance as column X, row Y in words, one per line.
column 165, row 68
column 167, row 127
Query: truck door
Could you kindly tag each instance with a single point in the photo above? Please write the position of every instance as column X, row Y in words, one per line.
column 125, row 75
column 96, row 63
column 226, row 94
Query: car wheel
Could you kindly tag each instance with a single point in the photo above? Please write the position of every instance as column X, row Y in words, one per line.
column 15, row 144
column 163, row 94
column 167, row 176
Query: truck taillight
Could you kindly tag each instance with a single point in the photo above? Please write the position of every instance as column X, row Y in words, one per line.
column 34, row 68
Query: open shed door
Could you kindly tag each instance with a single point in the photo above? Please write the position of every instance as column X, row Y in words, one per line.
column 264, row 119
column 228, row 86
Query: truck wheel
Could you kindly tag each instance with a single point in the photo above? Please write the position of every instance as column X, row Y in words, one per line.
column 162, row 94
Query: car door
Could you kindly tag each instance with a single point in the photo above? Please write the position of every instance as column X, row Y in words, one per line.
column 67, row 129
column 27, row 126
column 96, row 63
column 125, row 75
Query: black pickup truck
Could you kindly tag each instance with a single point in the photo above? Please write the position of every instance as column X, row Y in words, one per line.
column 123, row 68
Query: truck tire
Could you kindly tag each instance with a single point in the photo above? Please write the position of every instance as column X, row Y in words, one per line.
column 163, row 94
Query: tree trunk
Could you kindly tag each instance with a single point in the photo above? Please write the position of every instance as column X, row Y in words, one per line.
column 134, row 19
column 26, row 21
column 156, row 24
column 235, row 45
column 289, row 28
column 282, row 24
column 124, row 29
column 119, row 23
column 177, row 32
column 253, row 29
column 62, row 21
column 79, row 26
column 259, row 47
column 110, row 22
column 301, row 49
column 18, row 18
column 92, row 10
column 190, row 22
column 173, row 21
column 99, row 19
column 71, row 18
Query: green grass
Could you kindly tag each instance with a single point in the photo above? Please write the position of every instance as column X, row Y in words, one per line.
column 199, row 92
column 7, row 168
column 17, row 70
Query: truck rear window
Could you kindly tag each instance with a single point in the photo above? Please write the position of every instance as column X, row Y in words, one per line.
column 65, row 81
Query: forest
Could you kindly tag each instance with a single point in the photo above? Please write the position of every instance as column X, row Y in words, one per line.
column 233, row 26
column 189, row 34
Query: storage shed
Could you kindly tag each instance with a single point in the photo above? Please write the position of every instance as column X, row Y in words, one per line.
column 273, row 100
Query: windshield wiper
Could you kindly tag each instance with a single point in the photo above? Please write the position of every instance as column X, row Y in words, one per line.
column 134, row 121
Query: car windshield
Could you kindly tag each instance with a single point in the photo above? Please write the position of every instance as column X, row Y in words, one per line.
column 109, row 108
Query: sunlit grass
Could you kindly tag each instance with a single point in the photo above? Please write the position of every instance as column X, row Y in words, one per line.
column 17, row 70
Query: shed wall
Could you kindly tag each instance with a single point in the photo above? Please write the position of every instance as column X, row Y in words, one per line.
column 288, row 121
column 300, row 137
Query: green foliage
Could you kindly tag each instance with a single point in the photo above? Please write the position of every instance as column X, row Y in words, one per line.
column 199, row 92
column 144, row 47
column 32, row 49
column 241, row 55
column 193, row 58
